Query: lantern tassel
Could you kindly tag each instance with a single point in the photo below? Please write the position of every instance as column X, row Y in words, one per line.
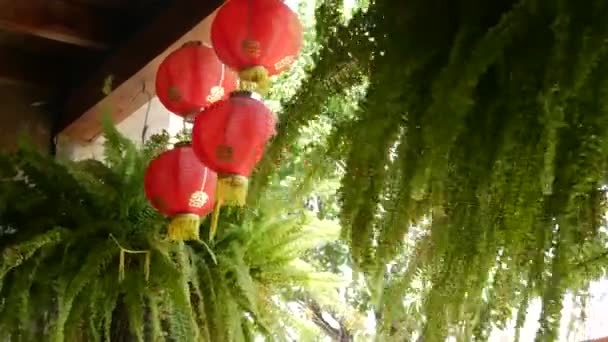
column 255, row 79
column 215, row 217
column 184, row 227
column 232, row 190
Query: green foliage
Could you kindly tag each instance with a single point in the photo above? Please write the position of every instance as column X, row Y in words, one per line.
column 482, row 124
column 60, row 266
column 468, row 144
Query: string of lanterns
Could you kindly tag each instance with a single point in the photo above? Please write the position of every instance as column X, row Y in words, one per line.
column 254, row 40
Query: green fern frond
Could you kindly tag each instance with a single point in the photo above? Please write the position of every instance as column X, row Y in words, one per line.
column 178, row 295
column 95, row 264
column 15, row 255
column 134, row 304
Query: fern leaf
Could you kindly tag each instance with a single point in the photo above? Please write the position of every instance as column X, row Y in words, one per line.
column 96, row 262
column 175, row 284
column 134, row 304
column 156, row 330
column 15, row 255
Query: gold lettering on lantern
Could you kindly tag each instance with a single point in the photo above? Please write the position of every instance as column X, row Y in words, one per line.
column 251, row 48
column 285, row 62
column 198, row 199
column 224, row 153
column 174, row 93
column 215, row 94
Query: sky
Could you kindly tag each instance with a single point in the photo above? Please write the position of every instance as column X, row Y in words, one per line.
column 596, row 325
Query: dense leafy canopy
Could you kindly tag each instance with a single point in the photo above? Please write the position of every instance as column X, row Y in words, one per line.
column 483, row 126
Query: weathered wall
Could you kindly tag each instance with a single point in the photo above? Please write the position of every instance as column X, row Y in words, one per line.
column 158, row 119
column 22, row 113
column 131, row 126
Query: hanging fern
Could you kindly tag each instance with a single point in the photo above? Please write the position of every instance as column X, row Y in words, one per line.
column 64, row 224
column 488, row 118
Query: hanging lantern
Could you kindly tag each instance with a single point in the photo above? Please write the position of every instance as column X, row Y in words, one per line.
column 259, row 38
column 191, row 78
column 180, row 186
column 229, row 138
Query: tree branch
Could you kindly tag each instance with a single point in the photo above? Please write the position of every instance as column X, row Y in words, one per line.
column 340, row 335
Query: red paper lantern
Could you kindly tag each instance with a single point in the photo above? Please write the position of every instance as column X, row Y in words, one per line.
column 191, row 78
column 229, row 136
column 180, row 186
column 250, row 33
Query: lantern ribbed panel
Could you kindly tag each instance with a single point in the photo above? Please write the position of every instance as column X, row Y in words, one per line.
column 191, row 78
column 176, row 182
column 248, row 33
column 230, row 135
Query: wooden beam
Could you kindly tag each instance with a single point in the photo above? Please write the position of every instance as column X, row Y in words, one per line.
column 133, row 69
column 59, row 20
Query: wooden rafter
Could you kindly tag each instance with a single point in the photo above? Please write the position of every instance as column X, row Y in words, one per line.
column 133, row 67
column 58, row 20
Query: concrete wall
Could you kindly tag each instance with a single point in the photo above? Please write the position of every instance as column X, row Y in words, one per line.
column 158, row 119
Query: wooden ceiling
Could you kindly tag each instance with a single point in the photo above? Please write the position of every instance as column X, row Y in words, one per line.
column 63, row 50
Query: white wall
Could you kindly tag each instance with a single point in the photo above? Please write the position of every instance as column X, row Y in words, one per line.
column 159, row 118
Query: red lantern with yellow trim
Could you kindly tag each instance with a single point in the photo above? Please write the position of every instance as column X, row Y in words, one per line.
column 178, row 185
column 191, row 78
column 259, row 38
column 229, row 138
